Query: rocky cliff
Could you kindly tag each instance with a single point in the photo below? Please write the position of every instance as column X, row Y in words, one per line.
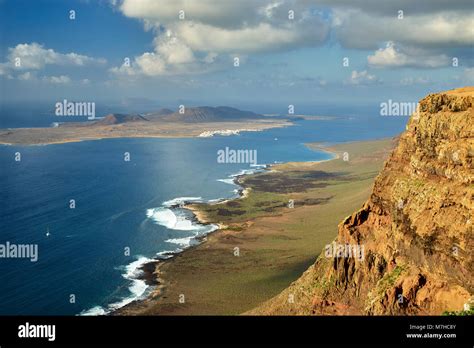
column 415, row 232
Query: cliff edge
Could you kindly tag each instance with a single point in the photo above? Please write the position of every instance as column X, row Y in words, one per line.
column 408, row 250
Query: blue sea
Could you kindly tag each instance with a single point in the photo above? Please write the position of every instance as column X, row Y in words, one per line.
column 127, row 205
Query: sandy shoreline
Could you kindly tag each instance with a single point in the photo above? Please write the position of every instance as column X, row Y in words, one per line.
column 151, row 270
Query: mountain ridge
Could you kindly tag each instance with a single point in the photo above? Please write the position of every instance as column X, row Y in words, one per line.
column 210, row 114
column 116, row 118
column 198, row 114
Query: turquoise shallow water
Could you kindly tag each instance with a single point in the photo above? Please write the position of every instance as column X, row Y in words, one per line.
column 122, row 206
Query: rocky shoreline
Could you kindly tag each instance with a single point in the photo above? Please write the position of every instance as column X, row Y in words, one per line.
column 263, row 227
column 150, row 271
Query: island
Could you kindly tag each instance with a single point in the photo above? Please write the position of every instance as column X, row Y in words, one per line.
column 201, row 121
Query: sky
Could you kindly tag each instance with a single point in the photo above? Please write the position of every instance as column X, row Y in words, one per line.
column 169, row 52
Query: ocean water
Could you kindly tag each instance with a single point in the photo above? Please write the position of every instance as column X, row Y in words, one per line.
column 124, row 205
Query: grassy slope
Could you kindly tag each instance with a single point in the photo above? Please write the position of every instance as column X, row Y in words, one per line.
column 276, row 243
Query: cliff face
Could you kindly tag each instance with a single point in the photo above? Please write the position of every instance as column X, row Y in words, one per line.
column 415, row 230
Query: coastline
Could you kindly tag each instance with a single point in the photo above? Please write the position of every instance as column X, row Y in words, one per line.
column 58, row 135
column 150, row 271
column 153, row 270
column 124, row 137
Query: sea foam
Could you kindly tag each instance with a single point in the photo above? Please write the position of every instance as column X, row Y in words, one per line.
column 175, row 219
column 181, row 200
column 227, row 181
column 137, row 288
column 183, row 242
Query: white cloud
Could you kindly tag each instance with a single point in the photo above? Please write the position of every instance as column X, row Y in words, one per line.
column 431, row 32
column 57, row 80
column 409, row 7
column 153, row 64
column 214, row 12
column 362, row 78
column 263, row 37
column 357, row 29
column 392, row 56
column 214, row 30
column 26, row 58
column 34, row 57
column 170, row 56
column 150, row 64
column 173, row 51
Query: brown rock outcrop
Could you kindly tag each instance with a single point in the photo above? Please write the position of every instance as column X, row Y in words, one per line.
column 415, row 230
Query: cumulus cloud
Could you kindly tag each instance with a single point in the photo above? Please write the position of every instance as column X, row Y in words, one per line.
column 24, row 59
column 410, row 7
column 35, row 56
column 263, row 37
column 191, row 35
column 392, row 56
column 362, row 78
column 234, row 26
column 173, row 51
column 440, row 28
column 217, row 13
column 148, row 63
column 170, row 57
column 428, row 36
column 357, row 29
